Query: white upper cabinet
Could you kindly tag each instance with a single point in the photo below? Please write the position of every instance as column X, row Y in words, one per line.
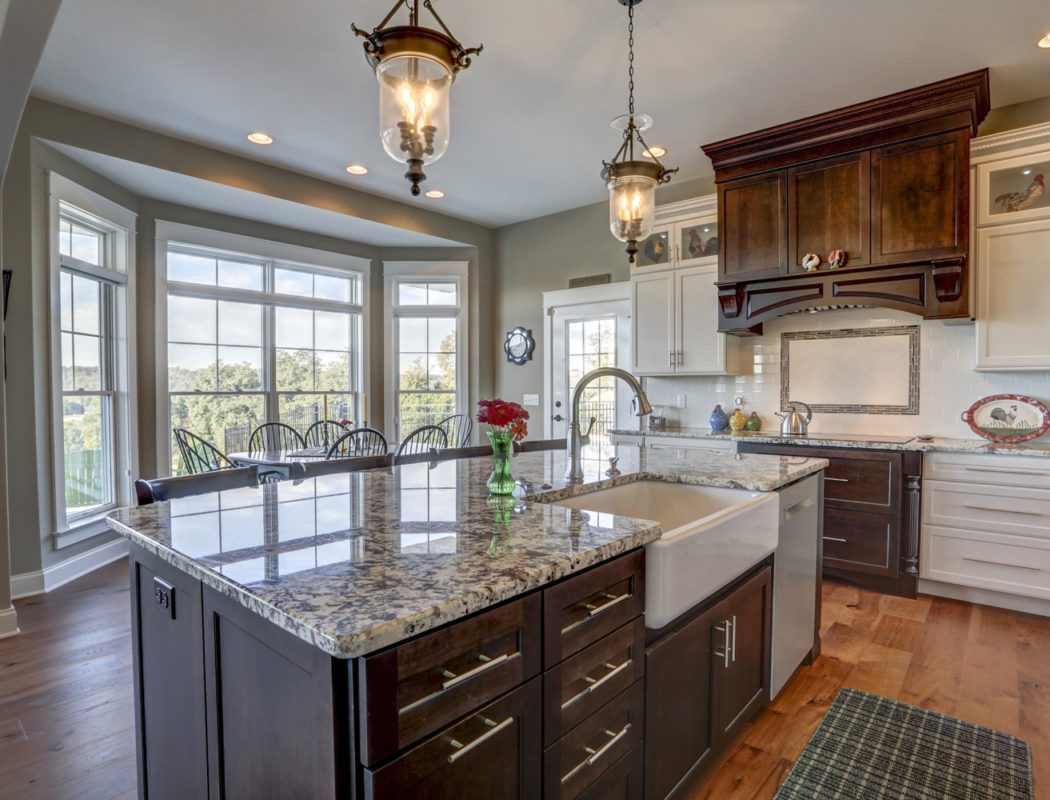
column 1012, row 249
column 674, row 319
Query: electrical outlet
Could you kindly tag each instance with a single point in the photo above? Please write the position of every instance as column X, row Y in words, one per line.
column 164, row 597
column 531, row 400
column 681, row 401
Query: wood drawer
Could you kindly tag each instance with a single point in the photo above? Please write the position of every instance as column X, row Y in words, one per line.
column 582, row 609
column 623, row 781
column 580, row 757
column 414, row 689
column 861, row 542
column 1002, row 509
column 1025, row 471
column 492, row 753
column 588, row 680
column 867, row 480
column 988, row 560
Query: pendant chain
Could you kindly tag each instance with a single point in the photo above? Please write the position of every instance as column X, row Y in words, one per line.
column 630, row 59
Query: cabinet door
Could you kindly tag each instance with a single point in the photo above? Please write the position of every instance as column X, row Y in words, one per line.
column 861, row 542
column 741, row 676
column 1013, row 329
column 696, row 241
column 752, row 227
column 829, row 202
column 494, row 752
column 702, row 349
column 169, row 671
column 656, row 251
column 678, row 707
column 920, row 198
column 652, row 323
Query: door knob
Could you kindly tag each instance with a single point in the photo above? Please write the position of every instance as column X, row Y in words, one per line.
column 558, row 418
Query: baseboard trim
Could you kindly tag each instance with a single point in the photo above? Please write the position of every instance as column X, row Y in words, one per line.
column 27, row 584
column 986, row 597
column 8, row 622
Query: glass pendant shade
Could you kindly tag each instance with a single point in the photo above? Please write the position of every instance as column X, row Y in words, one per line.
column 632, row 206
column 414, row 107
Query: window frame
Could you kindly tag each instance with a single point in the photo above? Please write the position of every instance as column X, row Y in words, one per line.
column 272, row 255
column 398, row 272
column 116, row 276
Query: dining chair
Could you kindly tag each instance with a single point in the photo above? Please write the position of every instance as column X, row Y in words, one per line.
column 359, row 442
column 532, row 446
column 417, row 445
column 323, row 432
column 275, row 436
column 332, row 466
column 457, row 428
column 199, row 455
column 157, row 489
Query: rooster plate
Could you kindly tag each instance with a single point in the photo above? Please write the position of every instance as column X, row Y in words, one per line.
column 1007, row 418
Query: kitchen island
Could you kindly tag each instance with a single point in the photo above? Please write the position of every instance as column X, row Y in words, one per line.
column 288, row 637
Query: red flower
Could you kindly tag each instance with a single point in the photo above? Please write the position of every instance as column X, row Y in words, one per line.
column 500, row 413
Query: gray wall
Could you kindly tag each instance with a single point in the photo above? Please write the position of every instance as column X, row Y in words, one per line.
column 24, row 232
column 541, row 255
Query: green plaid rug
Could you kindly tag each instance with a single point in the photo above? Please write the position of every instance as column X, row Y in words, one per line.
column 870, row 748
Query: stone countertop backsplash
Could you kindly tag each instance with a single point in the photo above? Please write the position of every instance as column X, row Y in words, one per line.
column 939, row 444
column 355, row 562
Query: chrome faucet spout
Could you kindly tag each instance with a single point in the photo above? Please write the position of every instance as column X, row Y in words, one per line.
column 573, row 470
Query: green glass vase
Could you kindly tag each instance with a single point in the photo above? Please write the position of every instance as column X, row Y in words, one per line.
column 500, row 481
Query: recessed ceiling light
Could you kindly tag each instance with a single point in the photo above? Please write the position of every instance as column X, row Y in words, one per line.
column 655, row 152
column 357, row 169
column 435, row 194
column 1045, row 42
column 1026, row 172
column 258, row 137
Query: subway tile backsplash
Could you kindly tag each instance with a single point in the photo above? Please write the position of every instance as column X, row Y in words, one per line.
column 948, row 384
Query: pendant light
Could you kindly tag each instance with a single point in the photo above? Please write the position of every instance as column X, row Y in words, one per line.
column 415, row 67
column 632, row 184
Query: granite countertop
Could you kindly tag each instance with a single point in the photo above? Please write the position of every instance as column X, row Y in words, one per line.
column 358, row 561
column 939, row 444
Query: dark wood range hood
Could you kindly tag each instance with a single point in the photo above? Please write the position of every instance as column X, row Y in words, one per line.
column 887, row 181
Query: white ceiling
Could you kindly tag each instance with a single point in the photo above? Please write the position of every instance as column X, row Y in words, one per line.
column 160, row 184
column 530, row 117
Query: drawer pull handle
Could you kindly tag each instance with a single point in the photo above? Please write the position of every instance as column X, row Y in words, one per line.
column 834, row 539
column 1007, row 511
column 486, row 664
column 594, row 685
column 593, row 610
column 1004, row 471
column 723, row 628
column 1002, row 564
column 463, row 749
column 836, row 480
column 734, row 639
column 594, row 755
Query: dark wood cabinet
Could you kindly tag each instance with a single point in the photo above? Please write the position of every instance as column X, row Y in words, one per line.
column 494, row 752
column 232, row 706
column 886, row 180
column 168, row 641
column 829, row 202
column 871, row 502
column 753, row 227
column 706, row 679
column 920, row 199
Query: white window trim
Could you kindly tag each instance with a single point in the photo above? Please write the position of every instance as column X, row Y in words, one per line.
column 456, row 271
column 177, row 233
column 121, row 223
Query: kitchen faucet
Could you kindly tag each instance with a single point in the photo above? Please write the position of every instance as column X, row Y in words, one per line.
column 573, row 470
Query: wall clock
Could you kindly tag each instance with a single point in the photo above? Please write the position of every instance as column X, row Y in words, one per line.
column 519, row 345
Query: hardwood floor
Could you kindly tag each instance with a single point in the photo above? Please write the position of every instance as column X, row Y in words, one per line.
column 977, row 663
column 67, row 726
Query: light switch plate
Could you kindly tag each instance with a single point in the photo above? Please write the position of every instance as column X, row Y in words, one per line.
column 681, row 401
column 531, row 400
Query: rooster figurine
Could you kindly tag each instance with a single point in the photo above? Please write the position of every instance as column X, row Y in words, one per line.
column 1019, row 201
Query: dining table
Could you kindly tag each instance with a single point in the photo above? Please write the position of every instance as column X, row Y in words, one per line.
column 270, row 458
